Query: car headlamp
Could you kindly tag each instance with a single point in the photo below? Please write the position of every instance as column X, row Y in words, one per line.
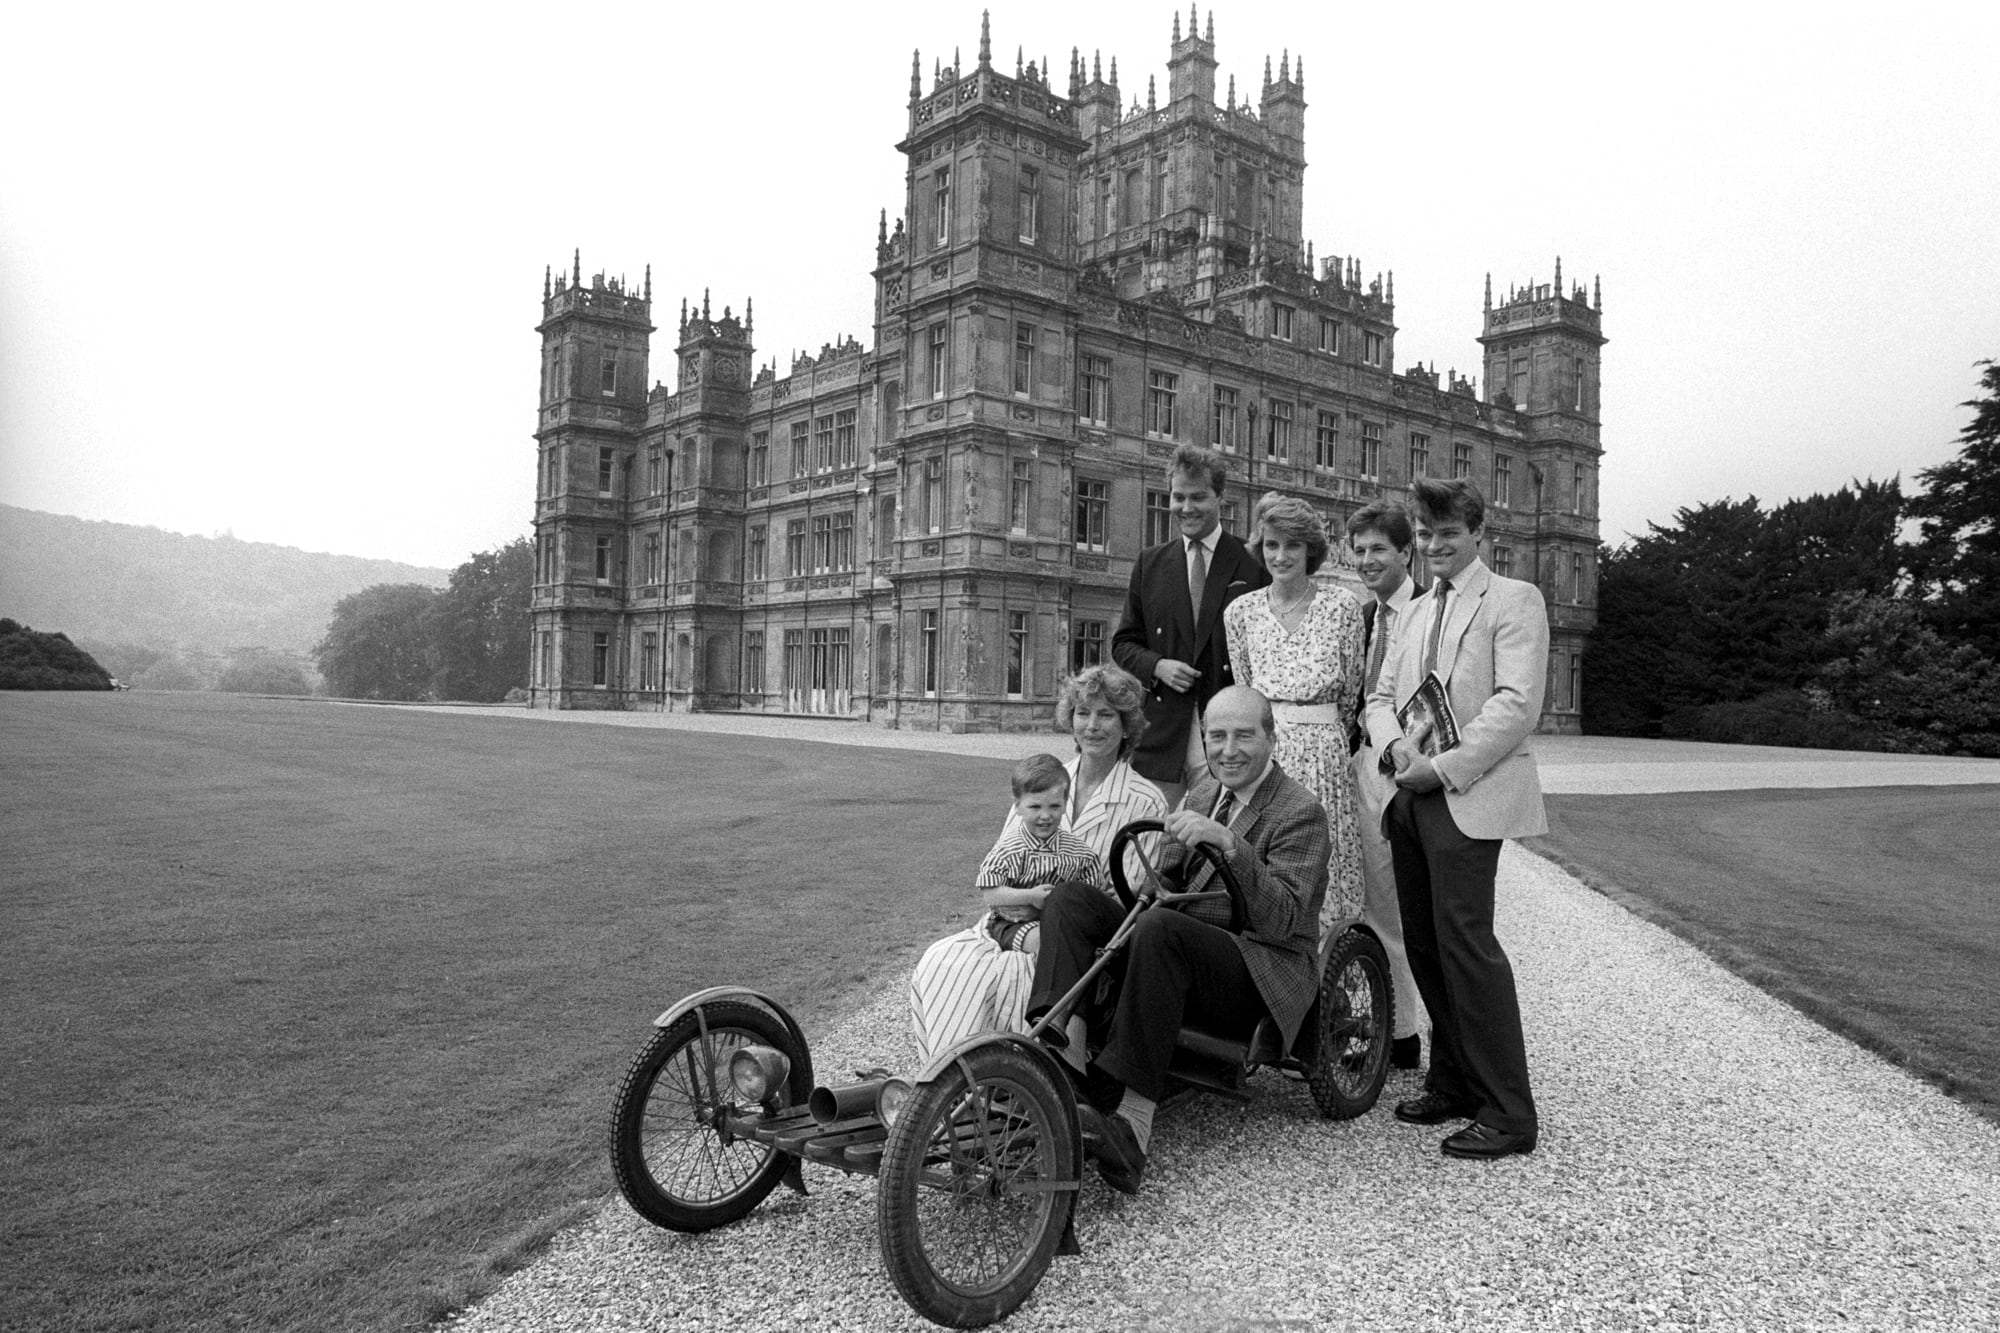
column 756, row 1071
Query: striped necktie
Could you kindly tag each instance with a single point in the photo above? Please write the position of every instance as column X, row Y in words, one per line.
column 1437, row 627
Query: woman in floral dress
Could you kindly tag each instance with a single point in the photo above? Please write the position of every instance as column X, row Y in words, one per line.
column 1298, row 643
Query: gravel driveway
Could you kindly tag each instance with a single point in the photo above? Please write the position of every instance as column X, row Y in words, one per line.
column 1709, row 1159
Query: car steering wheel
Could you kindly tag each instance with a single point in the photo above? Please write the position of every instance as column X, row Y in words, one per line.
column 1127, row 836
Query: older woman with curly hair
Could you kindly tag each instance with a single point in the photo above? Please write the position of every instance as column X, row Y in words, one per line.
column 966, row 983
column 1298, row 643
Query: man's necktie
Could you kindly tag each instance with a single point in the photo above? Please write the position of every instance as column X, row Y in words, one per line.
column 1224, row 808
column 1378, row 645
column 1197, row 576
column 1437, row 627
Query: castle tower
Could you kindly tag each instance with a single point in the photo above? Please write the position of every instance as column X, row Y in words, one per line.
column 1542, row 349
column 593, row 404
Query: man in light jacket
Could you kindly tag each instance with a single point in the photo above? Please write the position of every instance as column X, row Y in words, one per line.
column 1487, row 639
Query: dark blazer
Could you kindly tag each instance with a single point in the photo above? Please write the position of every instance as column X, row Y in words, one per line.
column 1356, row 736
column 1283, row 846
column 1157, row 623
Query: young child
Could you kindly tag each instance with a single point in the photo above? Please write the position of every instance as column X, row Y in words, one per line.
column 1034, row 853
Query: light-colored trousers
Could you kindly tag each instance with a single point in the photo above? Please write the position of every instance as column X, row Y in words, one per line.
column 1380, row 910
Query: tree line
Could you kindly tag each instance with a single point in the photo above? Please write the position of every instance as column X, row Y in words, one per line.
column 1865, row 619
column 466, row 641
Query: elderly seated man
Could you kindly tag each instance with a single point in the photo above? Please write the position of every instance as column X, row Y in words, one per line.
column 1183, row 967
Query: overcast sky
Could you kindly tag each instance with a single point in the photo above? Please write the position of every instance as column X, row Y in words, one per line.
column 275, row 269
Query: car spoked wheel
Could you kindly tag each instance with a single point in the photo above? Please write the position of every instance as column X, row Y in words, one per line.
column 975, row 1189
column 1356, row 1016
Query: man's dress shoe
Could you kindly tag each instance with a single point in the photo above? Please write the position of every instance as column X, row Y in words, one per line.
column 1433, row 1108
column 1111, row 1141
column 1484, row 1143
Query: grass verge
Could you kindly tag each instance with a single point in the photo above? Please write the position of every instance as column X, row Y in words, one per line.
column 315, row 1013
column 1870, row 909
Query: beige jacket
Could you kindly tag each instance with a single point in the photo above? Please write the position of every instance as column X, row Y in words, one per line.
column 1494, row 660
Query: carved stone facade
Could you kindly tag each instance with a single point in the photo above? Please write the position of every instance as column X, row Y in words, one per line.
column 930, row 530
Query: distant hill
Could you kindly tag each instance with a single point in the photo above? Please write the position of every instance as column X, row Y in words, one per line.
column 116, row 583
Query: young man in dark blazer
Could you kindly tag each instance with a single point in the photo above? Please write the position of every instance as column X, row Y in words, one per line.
column 1172, row 640
column 1378, row 543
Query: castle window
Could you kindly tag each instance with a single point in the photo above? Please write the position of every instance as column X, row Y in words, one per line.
column 606, row 465
column 933, row 515
column 600, row 660
column 801, row 449
column 1020, row 500
column 1461, row 461
column 1278, row 435
column 1372, row 345
column 760, row 460
column 1159, row 517
column 1576, row 681
column 1371, row 451
column 937, row 361
column 843, row 438
column 941, row 204
column 795, row 547
column 929, row 635
column 823, row 443
column 1135, row 182
column 822, row 543
column 1017, row 653
column 1093, row 390
column 555, row 471
column 1162, row 386
column 656, row 473
column 1576, row 577
column 1243, row 204
column 1159, row 187
column 754, row 566
column 1222, row 433
column 1579, row 479
column 1503, row 560
column 1503, row 480
column 1326, row 443
column 843, row 541
column 652, row 557
column 1420, row 455
column 1029, row 208
column 607, row 376
column 1281, row 322
column 602, row 567
column 1329, row 336
column 1577, row 393
column 1086, row 647
column 1024, row 358
column 649, row 661
column 1093, row 514
column 753, row 661
column 548, row 660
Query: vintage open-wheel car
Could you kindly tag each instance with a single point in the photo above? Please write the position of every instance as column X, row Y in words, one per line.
column 979, row 1154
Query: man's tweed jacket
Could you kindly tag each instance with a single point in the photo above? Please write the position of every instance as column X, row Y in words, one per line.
column 1282, row 850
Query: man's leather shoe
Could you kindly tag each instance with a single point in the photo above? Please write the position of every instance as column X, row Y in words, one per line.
column 1110, row 1140
column 1406, row 1052
column 1434, row 1108
column 1483, row 1143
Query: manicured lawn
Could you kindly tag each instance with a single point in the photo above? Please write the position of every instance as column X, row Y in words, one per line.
column 1874, row 910
column 314, row 1013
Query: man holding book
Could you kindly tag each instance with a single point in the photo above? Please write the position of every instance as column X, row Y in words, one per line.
column 1473, row 653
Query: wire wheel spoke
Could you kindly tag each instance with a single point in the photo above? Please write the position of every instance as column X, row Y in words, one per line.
column 975, row 1230
column 680, row 1132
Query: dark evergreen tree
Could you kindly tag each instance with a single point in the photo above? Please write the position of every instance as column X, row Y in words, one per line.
column 30, row 660
column 1958, row 513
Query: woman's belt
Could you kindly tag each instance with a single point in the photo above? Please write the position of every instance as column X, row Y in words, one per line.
column 1330, row 715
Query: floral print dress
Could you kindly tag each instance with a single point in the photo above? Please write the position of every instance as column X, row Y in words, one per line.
column 1319, row 662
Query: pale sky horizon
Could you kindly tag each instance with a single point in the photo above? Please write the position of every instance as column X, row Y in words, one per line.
column 276, row 271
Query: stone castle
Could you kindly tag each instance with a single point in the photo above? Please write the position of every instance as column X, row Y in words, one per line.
column 931, row 530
